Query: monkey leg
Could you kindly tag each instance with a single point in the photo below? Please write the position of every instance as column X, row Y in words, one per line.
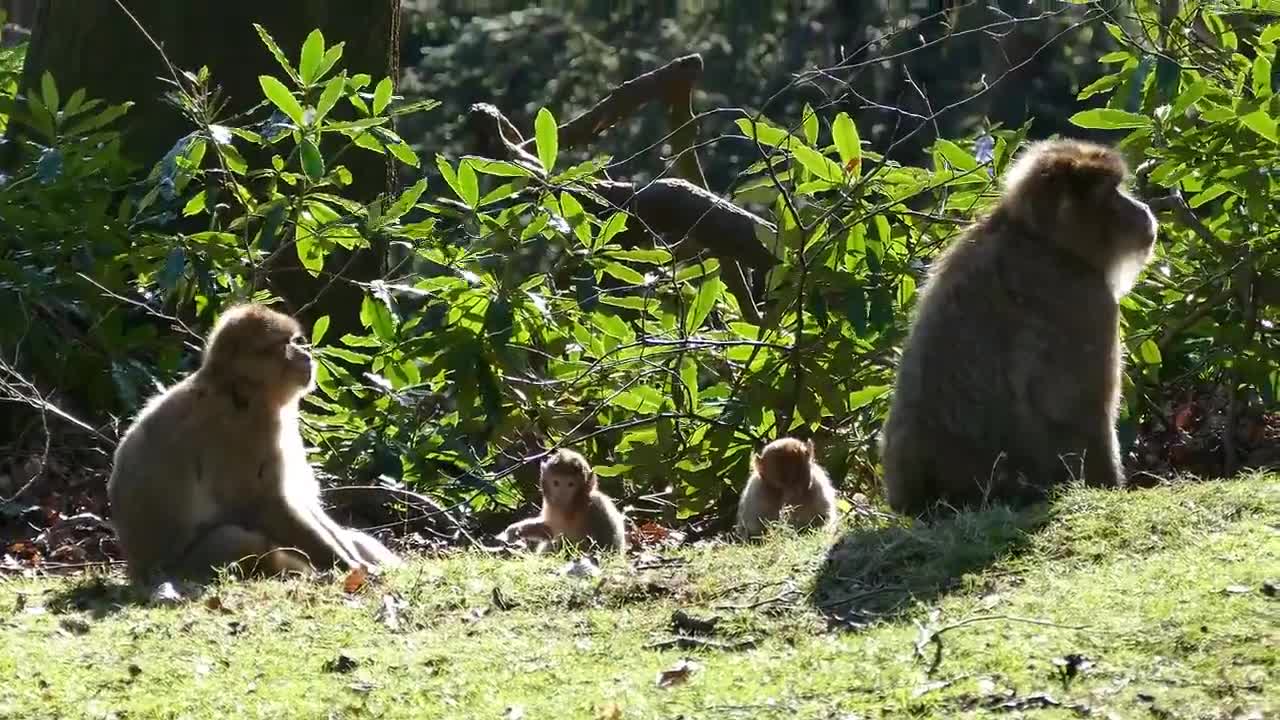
column 249, row 553
column 816, row 512
column 300, row 523
column 1102, row 466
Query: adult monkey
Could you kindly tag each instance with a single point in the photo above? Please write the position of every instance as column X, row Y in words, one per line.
column 1009, row 381
column 213, row 471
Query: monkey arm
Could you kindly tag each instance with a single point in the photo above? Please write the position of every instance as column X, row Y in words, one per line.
column 755, row 509
column 604, row 524
column 532, row 528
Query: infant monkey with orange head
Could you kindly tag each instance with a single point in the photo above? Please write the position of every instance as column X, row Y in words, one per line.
column 573, row 508
column 785, row 478
column 213, row 471
column 1009, row 381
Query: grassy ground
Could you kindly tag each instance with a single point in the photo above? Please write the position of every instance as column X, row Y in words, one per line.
column 1107, row 604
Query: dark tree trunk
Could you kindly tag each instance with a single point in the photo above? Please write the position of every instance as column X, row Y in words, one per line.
column 95, row 45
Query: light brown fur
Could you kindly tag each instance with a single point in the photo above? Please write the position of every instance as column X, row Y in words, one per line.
column 213, row 471
column 573, row 508
column 784, row 476
column 1009, row 381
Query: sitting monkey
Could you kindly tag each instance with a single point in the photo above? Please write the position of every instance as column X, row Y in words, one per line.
column 573, row 508
column 213, row 471
column 784, row 476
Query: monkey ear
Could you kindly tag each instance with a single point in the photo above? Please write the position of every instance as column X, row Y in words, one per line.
column 593, row 482
column 808, row 447
column 755, row 461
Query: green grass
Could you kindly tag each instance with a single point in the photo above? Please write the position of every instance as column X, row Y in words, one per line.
column 1160, row 590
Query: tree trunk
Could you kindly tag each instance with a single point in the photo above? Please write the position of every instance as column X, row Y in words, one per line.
column 95, row 45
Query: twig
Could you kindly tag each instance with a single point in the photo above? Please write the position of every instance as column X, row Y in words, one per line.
column 933, row 636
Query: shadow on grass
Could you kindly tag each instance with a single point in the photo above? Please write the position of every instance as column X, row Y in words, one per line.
column 97, row 595
column 889, row 563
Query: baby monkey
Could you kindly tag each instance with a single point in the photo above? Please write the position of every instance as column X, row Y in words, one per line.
column 785, row 476
column 573, row 509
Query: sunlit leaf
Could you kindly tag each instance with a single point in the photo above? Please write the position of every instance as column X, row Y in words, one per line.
column 1109, row 119
column 382, row 95
column 546, row 138
column 312, row 54
column 280, row 96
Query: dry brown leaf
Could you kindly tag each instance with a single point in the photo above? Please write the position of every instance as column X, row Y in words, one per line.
column 355, row 581
column 678, row 674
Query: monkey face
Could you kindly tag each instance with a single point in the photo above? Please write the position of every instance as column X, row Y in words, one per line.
column 564, row 489
column 256, row 345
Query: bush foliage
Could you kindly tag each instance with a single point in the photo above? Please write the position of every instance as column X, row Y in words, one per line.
column 512, row 317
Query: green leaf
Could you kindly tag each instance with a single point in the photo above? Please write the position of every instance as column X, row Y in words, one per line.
column 955, row 156
column 822, row 167
column 1109, row 119
column 546, row 138
column 382, row 96
column 762, row 131
column 329, row 96
column 93, row 122
column 375, row 315
column 866, row 395
column 277, row 53
column 1262, row 123
column 809, row 121
column 195, row 205
column 689, row 378
column 49, row 92
column 319, row 329
column 331, row 57
column 500, row 168
column 312, row 161
column 1149, row 352
column 1262, row 77
column 1271, row 34
column 695, row 270
column 280, row 96
column 405, row 202
column 845, row 133
column 653, row 257
column 468, row 184
column 1189, row 97
column 312, row 54
column 616, row 223
column 703, row 302
column 450, row 177
column 623, row 273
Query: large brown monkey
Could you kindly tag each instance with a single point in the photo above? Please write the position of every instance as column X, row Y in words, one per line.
column 1009, row 381
column 785, row 477
column 573, row 508
column 213, row 471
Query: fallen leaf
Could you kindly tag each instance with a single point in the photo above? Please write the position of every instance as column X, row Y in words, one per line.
column 678, row 674
column 355, row 580
column 1237, row 589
